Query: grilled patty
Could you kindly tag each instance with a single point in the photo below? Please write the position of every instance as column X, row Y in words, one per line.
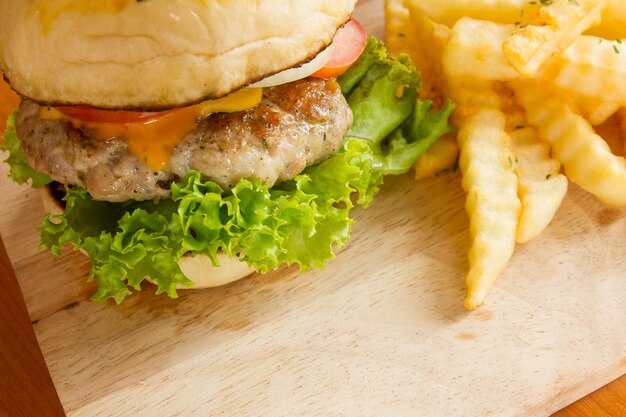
column 296, row 125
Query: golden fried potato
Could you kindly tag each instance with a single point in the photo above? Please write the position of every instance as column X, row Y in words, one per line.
column 408, row 29
column 596, row 109
column 592, row 67
column 490, row 183
column 542, row 187
column 613, row 18
column 586, row 157
column 440, row 156
column 474, row 50
column 448, row 12
column 514, row 146
column 552, row 29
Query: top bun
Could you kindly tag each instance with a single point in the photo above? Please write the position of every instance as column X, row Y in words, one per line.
column 159, row 53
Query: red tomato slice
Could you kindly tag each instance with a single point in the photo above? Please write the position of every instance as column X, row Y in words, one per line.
column 90, row 115
column 348, row 44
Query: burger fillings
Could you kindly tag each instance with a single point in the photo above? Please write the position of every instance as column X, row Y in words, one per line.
column 204, row 202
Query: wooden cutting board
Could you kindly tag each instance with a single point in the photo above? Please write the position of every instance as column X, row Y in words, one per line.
column 380, row 331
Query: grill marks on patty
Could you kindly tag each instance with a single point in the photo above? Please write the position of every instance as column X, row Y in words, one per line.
column 296, row 125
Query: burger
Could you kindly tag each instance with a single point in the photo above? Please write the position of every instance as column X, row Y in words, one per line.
column 192, row 142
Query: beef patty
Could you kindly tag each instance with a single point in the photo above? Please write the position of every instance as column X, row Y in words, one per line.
column 296, row 125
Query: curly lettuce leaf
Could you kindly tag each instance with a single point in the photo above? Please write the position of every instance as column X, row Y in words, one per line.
column 414, row 137
column 125, row 241
column 298, row 222
column 374, row 53
column 20, row 171
column 388, row 113
column 384, row 99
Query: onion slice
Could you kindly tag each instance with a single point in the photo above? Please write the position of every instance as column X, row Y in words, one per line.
column 297, row 73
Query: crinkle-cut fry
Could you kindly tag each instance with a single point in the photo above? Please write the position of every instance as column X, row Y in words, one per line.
column 586, row 157
column 592, row 67
column 613, row 18
column 408, row 30
column 520, row 12
column 541, row 185
column 595, row 109
column 441, row 155
column 474, row 50
column 448, row 12
column 471, row 95
column 400, row 31
column 490, row 183
column 553, row 28
column 492, row 202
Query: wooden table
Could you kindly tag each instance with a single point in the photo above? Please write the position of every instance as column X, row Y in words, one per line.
column 422, row 214
column 24, row 375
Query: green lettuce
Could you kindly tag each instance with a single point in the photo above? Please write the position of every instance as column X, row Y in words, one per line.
column 416, row 134
column 374, row 53
column 297, row 222
column 20, row 171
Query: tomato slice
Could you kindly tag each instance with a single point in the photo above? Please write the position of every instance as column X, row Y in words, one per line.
column 348, row 44
column 91, row 115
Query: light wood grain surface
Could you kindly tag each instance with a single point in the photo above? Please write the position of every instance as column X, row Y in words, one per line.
column 380, row 331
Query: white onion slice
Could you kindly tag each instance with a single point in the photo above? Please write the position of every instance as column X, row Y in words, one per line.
column 297, row 73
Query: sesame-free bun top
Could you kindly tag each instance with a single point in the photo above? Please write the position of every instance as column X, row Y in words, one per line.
column 156, row 54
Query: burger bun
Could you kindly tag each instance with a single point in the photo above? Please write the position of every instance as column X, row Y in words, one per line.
column 157, row 54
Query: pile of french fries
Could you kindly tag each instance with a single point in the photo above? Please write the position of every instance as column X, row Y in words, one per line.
column 540, row 87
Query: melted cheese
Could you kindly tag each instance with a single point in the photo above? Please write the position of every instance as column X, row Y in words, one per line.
column 152, row 141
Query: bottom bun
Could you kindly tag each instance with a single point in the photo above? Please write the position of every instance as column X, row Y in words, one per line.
column 203, row 274
column 199, row 269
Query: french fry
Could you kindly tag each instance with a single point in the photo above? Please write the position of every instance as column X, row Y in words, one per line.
column 553, row 28
column 542, row 187
column 448, row 12
column 491, row 186
column 474, row 50
column 586, row 157
column 408, row 30
column 518, row 12
column 596, row 109
column 441, row 155
column 511, row 157
column 401, row 31
column 592, row 67
column 613, row 18
column 470, row 96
